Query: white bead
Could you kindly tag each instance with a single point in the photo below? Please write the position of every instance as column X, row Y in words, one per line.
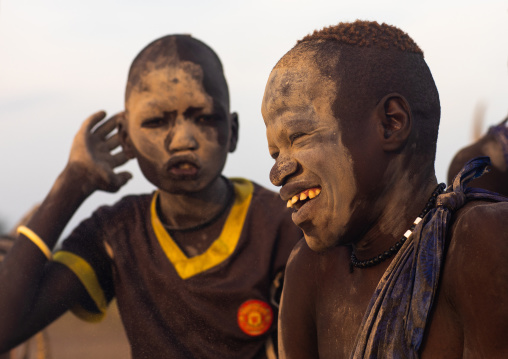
column 407, row 234
column 417, row 220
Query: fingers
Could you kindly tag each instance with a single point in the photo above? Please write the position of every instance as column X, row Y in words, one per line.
column 93, row 120
column 113, row 142
column 108, row 126
column 117, row 181
column 118, row 159
column 122, row 178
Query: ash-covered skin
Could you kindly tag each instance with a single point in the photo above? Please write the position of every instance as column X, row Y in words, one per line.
column 360, row 197
column 367, row 199
column 375, row 169
column 180, row 134
column 177, row 118
column 297, row 113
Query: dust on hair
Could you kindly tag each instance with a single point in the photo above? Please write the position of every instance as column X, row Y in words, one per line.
column 366, row 34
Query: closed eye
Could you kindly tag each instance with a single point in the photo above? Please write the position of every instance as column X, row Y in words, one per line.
column 295, row 136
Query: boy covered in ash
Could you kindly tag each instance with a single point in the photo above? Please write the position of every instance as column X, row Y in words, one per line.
column 392, row 265
column 191, row 265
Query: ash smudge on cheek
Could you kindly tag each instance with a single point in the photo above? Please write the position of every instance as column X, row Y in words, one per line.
column 345, row 168
column 149, row 148
column 213, row 134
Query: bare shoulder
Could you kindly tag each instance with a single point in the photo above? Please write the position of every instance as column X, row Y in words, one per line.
column 314, row 271
column 475, row 276
column 478, row 238
column 301, row 264
column 480, row 223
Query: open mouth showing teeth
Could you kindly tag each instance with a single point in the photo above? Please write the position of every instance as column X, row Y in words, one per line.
column 303, row 197
column 184, row 168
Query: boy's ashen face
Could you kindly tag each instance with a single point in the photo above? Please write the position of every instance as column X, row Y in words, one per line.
column 178, row 132
column 306, row 141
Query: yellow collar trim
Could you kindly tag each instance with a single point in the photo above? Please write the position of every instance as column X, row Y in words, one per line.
column 221, row 248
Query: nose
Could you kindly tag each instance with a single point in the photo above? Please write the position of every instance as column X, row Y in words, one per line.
column 283, row 168
column 182, row 136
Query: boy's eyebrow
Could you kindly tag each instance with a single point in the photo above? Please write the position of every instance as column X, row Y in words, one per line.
column 191, row 111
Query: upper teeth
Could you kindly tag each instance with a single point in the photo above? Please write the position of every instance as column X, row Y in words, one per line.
column 310, row 193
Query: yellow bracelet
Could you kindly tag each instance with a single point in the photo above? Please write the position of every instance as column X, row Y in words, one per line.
column 28, row 233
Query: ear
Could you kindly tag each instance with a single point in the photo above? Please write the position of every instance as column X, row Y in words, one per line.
column 234, row 131
column 125, row 141
column 396, row 121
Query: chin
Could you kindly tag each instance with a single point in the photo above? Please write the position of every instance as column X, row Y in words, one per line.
column 318, row 245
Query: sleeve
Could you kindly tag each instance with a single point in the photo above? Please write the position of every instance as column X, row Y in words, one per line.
column 287, row 235
column 84, row 252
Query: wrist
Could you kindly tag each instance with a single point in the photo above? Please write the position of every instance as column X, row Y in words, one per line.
column 74, row 181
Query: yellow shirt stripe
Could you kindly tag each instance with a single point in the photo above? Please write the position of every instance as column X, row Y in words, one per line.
column 88, row 278
column 221, row 248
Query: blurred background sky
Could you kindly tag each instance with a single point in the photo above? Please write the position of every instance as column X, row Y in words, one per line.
column 60, row 61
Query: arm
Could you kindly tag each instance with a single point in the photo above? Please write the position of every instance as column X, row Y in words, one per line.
column 297, row 329
column 478, row 264
column 36, row 291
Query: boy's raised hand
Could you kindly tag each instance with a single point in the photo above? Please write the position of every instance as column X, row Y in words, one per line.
column 91, row 154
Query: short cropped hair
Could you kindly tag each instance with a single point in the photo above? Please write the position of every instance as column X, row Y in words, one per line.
column 366, row 33
column 169, row 51
column 370, row 61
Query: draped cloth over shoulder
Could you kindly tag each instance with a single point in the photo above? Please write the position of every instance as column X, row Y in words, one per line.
column 394, row 323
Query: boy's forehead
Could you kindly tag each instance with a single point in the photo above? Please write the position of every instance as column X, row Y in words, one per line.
column 167, row 76
column 159, row 79
column 174, row 87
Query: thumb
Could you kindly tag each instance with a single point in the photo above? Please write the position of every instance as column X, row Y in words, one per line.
column 121, row 179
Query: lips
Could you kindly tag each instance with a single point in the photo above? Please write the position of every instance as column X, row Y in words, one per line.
column 183, row 166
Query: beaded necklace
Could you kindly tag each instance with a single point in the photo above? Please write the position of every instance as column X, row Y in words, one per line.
column 355, row 262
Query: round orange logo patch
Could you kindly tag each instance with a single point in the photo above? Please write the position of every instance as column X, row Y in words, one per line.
column 255, row 317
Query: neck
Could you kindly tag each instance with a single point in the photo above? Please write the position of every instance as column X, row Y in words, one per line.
column 181, row 211
column 399, row 205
